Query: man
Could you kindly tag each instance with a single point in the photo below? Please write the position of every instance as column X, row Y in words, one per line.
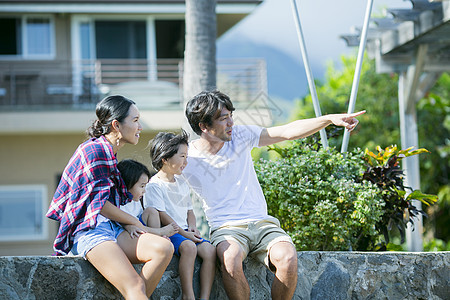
column 221, row 172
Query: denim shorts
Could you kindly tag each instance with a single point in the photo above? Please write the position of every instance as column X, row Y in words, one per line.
column 105, row 231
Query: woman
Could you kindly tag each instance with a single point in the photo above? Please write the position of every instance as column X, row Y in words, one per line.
column 87, row 200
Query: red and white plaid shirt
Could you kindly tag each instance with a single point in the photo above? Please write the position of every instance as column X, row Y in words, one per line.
column 90, row 178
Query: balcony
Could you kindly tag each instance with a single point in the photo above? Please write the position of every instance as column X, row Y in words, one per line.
column 79, row 85
column 50, row 97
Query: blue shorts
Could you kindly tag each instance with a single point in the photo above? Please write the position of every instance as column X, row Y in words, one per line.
column 105, row 231
column 177, row 239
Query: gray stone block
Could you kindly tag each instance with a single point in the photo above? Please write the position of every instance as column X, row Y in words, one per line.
column 321, row 275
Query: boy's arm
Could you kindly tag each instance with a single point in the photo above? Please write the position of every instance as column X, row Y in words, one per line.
column 306, row 127
column 166, row 219
column 192, row 222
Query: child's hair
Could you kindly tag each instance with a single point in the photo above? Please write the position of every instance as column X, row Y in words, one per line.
column 165, row 145
column 131, row 171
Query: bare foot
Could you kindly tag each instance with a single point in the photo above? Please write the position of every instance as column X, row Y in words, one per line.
column 168, row 230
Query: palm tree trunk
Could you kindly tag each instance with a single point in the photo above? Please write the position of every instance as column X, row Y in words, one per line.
column 199, row 72
column 200, row 53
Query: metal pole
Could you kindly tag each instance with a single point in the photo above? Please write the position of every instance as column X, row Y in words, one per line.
column 309, row 75
column 362, row 47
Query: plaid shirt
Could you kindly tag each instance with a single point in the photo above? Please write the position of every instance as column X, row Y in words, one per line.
column 90, row 178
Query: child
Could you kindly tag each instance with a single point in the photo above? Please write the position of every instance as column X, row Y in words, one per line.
column 136, row 176
column 169, row 193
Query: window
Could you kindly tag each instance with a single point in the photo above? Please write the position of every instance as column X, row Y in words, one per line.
column 22, row 212
column 85, row 36
column 10, row 32
column 26, row 36
column 170, row 38
column 121, row 39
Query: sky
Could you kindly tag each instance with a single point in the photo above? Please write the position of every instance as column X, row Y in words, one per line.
column 323, row 21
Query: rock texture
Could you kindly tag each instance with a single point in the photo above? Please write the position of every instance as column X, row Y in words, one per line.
column 321, row 275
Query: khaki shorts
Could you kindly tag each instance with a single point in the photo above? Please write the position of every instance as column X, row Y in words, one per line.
column 255, row 238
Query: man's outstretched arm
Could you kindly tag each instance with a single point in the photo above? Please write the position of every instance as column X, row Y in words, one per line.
column 306, row 127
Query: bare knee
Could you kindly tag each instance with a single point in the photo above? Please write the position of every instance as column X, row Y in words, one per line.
column 230, row 257
column 152, row 246
column 207, row 252
column 188, row 249
column 284, row 257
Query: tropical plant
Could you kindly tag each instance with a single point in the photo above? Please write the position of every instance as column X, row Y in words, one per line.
column 384, row 171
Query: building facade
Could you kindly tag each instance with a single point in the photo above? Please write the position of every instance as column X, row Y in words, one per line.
column 58, row 59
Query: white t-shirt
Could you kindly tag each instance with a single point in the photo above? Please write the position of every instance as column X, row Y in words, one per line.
column 134, row 208
column 172, row 197
column 227, row 181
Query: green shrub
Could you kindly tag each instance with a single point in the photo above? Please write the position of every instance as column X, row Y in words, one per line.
column 436, row 245
column 320, row 199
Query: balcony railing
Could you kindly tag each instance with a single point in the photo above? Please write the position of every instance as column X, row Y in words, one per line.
column 51, row 85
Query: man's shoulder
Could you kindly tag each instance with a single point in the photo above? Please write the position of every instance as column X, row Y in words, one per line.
column 247, row 130
column 193, row 152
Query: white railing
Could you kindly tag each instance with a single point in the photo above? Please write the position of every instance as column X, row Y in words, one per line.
column 72, row 83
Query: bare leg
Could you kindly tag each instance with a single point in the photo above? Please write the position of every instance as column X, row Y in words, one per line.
column 109, row 259
column 152, row 250
column 188, row 253
column 150, row 216
column 284, row 257
column 207, row 253
column 231, row 256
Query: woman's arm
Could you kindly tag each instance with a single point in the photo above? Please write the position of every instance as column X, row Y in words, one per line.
column 114, row 213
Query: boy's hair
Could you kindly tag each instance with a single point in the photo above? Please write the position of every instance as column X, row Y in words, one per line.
column 131, row 171
column 205, row 108
column 165, row 145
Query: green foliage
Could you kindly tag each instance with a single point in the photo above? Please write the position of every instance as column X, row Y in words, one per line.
column 433, row 114
column 377, row 94
column 436, row 245
column 384, row 171
column 319, row 198
column 327, row 201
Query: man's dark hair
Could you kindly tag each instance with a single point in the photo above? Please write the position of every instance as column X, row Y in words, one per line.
column 165, row 145
column 205, row 108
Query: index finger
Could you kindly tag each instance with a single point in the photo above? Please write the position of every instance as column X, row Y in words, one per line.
column 357, row 113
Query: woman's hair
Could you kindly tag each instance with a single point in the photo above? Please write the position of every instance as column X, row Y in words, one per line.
column 205, row 108
column 165, row 145
column 111, row 108
column 131, row 171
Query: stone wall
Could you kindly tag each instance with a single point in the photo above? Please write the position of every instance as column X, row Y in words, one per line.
column 322, row 275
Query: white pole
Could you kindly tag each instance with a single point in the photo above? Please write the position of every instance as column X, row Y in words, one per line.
column 309, row 76
column 362, row 47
